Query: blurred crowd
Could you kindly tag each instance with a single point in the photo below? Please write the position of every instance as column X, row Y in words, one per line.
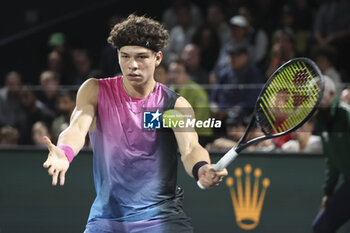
column 218, row 57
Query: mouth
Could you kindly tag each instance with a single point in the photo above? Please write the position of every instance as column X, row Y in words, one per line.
column 133, row 76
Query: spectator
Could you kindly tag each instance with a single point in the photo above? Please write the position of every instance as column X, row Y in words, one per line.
column 283, row 49
column 66, row 104
column 303, row 140
column 194, row 94
column 240, row 37
column 216, row 20
column 58, row 43
column 192, row 59
column 57, row 64
column 35, row 111
column 161, row 74
column 49, row 82
column 325, row 57
column 39, row 130
column 235, row 124
column 263, row 146
column 180, row 35
column 345, row 95
column 9, row 136
column 257, row 37
column 333, row 125
column 11, row 90
column 169, row 15
column 11, row 113
column 240, row 73
column 83, row 66
column 332, row 27
column 209, row 45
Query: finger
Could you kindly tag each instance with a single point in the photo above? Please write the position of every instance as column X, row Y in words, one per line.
column 48, row 143
column 47, row 163
column 54, row 177
column 62, row 177
column 222, row 172
column 51, row 170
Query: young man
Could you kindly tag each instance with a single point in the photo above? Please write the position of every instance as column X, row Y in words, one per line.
column 134, row 169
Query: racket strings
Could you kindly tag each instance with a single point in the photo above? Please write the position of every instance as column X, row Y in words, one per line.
column 288, row 98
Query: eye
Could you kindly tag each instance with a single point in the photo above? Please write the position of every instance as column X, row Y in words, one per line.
column 143, row 57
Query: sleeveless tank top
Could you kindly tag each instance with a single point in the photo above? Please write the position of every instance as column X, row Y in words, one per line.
column 134, row 169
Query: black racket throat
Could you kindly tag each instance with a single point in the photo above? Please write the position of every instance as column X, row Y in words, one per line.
column 241, row 144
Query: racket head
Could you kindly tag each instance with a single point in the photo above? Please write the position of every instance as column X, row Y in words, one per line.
column 289, row 98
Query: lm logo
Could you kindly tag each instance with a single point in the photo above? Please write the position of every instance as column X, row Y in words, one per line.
column 151, row 120
column 247, row 203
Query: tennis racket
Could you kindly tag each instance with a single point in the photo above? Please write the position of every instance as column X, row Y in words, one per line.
column 288, row 99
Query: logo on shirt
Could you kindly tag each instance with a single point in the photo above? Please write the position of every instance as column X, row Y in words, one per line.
column 172, row 118
column 151, row 120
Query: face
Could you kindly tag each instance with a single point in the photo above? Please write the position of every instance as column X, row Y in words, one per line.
column 239, row 33
column 48, row 81
column 191, row 56
column 214, row 16
column 138, row 63
column 28, row 99
column 82, row 63
column 239, row 60
column 54, row 61
column 38, row 132
column 13, row 83
column 177, row 73
column 327, row 98
column 345, row 96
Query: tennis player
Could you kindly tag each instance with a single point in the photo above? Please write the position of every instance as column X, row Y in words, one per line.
column 333, row 124
column 134, row 169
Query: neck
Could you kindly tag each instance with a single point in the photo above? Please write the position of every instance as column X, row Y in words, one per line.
column 139, row 91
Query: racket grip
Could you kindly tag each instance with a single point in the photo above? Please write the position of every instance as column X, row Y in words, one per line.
column 223, row 163
column 226, row 159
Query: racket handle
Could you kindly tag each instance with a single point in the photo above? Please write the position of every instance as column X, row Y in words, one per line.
column 226, row 159
column 223, row 163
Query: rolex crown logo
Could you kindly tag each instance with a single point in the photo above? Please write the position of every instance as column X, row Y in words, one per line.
column 247, row 204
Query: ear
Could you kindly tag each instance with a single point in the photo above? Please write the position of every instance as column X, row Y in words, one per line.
column 159, row 57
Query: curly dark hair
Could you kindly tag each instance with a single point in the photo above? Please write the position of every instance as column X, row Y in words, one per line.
column 140, row 31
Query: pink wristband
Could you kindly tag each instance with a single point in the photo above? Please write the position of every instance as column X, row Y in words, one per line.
column 68, row 151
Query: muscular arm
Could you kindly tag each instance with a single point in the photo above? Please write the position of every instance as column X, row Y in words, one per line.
column 82, row 117
column 192, row 152
column 74, row 136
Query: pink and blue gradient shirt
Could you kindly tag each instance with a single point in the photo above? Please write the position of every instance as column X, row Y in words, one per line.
column 134, row 169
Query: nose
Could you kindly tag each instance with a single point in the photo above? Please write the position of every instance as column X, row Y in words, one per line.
column 133, row 64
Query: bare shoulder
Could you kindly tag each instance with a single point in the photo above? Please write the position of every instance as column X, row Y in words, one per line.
column 88, row 91
column 184, row 107
column 181, row 102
